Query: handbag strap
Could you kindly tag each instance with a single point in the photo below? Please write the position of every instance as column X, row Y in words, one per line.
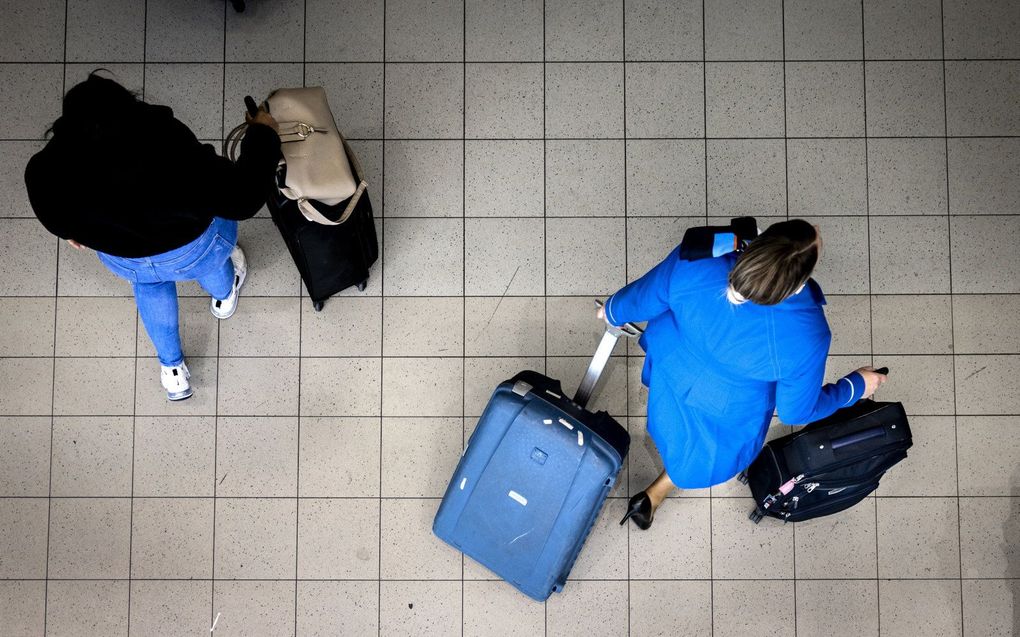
column 310, row 213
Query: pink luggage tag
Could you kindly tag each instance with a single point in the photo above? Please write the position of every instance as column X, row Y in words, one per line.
column 787, row 486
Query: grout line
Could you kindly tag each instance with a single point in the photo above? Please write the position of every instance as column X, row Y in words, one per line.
column 382, row 319
column 509, row 62
column 463, row 284
column 626, row 258
column 545, row 233
column 300, row 301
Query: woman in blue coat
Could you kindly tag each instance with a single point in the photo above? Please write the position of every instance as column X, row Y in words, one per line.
column 730, row 339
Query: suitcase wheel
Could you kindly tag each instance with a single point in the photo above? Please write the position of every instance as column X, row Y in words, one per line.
column 756, row 516
column 238, row 5
column 317, row 305
column 363, row 285
column 742, row 478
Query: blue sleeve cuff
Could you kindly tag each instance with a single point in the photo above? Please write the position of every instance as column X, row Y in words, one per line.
column 609, row 312
column 855, row 384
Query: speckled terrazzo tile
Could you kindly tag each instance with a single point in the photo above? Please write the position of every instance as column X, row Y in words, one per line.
column 826, row 30
column 256, row 456
column 320, row 336
column 424, row 179
column 909, row 549
column 255, row 538
column 988, row 384
column 338, row 539
column 174, row 456
column 105, row 31
column 75, row 390
column 23, row 605
column 503, row 101
column 420, row 455
column 28, row 326
column 984, row 255
column 254, row 608
column 849, row 320
column 177, row 31
column 903, row 29
column 504, row 31
column 409, row 549
column 271, row 31
column 833, row 607
column 584, row 178
column 481, row 375
column 428, row 609
column 744, row 99
column 339, row 457
column 986, row 324
column 172, row 538
column 495, row 604
column 23, row 537
column 355, row 95
column 988, row 455
column 587, row 609
column 168, row 608
column 422, row 387
column 746, row 177
column 930, row 608
column 912, row 324
column 923, row 268
column 684, row 524
column 150, row 397
column 935, row 438
column 984, row 176
column 989, row 606
column 31, row 99
column 418, row 31
column 424, row 257
column 692, row 617
column 28, row 258
column 424, row 100
column 14, row 157
column 262, row 327
column 258, row 386
column 665, row 177
column 584, row 30
column 24, row 456
column 89, row 538
column 92, row 456
column 921, row 383
column 586, row 256
column 838, row 546
column 663, row 30
column 511, row 326
column 34, row 33
column 904, row 98
column 421, row 326
column 736, row 30
column 96, row 327
column 827, row 177
column 988, row 529
column 740, row 608
column 361, row 24
column 981, row 29
column 323, row 378
column 504, row 178
column 825, row 99
column 337, row 608
column 584, row 100
column 605, row 550
column 86, row 608
column 194, row 91
column 504, row 256
column 907, row 176
column 665, row 100
column 742, row 550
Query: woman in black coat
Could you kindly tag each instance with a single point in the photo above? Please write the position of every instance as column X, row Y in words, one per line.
column 128, row 180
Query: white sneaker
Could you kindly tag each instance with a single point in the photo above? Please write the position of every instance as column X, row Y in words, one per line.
column 175, row 381
column 225, row 309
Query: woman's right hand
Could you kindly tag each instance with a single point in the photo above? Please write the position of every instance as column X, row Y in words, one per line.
column 262, row 117
column 872, row 380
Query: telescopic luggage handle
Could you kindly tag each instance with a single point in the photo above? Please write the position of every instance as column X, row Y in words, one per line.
column 601, row 357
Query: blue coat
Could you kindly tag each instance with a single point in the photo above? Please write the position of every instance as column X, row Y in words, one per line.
column 716, row 371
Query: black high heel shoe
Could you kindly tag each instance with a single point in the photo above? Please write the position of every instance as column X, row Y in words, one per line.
column 640, row 510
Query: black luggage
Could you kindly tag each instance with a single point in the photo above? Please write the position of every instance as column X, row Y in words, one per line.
column 829, row 465
column 329, row 258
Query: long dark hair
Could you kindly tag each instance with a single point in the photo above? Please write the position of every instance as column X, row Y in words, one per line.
column 777, row 263
column 98, row 110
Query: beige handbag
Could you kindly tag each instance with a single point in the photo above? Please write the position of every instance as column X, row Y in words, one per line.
column 317, row 158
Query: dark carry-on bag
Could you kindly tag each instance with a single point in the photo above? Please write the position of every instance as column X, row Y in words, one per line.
column 829, row 465
column 533, row 478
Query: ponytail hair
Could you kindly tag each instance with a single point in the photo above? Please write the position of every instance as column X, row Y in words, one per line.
column 776, row 264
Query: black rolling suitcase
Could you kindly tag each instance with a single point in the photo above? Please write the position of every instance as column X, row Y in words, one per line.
column 829, row 465
column 329, row 258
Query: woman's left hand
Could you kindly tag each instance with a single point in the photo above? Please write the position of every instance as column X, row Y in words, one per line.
column 74, row 244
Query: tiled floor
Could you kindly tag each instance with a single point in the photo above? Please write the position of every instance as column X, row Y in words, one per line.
column 532, row 155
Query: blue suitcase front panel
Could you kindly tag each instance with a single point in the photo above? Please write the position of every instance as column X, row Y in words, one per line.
column 527, row 491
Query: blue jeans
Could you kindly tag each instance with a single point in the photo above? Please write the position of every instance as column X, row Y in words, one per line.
column 206, row 260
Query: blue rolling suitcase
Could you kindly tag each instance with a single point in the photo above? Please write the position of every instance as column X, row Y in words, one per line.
column 534, row 477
